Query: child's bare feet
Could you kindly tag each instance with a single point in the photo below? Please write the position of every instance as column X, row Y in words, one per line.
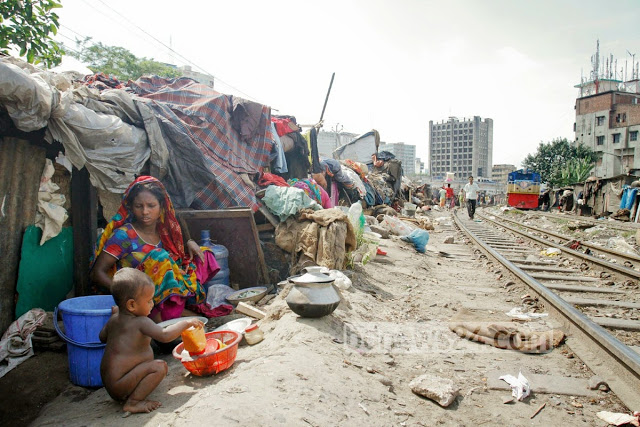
column 141, row 406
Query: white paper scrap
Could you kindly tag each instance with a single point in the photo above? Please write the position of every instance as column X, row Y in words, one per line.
column 520, row 387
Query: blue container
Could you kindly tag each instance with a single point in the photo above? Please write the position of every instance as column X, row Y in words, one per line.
column 83, row 319
column 220, row 252
column 221, row 278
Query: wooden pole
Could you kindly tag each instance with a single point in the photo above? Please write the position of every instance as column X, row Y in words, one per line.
column 327, row 98
column 84, row 215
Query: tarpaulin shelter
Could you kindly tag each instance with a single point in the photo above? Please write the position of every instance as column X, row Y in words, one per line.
column 360, row 149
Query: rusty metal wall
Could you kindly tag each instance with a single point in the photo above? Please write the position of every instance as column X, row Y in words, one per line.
column 21, row 165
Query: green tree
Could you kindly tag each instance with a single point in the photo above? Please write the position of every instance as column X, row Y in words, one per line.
column 575, row 170
column 118, row 61
column 29, row 25
column 553, row 157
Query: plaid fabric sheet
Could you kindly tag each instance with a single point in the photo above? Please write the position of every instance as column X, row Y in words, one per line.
column 194, row 117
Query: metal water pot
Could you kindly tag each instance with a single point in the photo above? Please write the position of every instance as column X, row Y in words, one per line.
column 313, row 294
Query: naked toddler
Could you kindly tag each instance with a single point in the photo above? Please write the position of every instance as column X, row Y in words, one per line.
column 128, row 370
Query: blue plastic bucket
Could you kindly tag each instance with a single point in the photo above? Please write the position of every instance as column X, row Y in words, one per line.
column 83, row 319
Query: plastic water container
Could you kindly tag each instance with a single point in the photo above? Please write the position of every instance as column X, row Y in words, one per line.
column 222, row 257
column 221, row 278
column 83, row 319
column 220, row 252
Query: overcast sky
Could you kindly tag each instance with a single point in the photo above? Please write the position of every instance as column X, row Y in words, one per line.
column 398, row 64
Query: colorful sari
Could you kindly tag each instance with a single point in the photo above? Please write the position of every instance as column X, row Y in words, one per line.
column 313, row 190
column 170, row 269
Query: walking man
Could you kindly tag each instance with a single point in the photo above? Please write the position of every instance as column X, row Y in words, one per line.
column 449, row 196
column 471, row 195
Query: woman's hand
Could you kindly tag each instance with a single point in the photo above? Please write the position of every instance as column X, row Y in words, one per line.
column 194, row 250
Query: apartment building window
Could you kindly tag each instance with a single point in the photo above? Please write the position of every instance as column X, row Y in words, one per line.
column 599, row 120
column 616, row 138
column 621, row 118
column 633, row 135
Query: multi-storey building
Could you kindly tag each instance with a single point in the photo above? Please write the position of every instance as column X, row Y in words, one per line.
column 608, row 122
column 608, row 115
column 406, row 153
column 463, row 147
column 203, row 78
column 500, row 173
column 329, row 141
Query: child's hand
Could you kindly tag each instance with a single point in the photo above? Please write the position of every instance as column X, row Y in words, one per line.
column 195, row 323
column 114, row 310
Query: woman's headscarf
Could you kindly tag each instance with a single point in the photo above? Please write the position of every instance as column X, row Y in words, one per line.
column 168, row 226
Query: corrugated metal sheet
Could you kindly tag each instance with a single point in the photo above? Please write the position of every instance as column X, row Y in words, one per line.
column 21, row 165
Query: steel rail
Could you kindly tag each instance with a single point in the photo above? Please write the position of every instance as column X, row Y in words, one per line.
column 588, row 245
column 624, row 226
column 620, row 269
column 606, row 348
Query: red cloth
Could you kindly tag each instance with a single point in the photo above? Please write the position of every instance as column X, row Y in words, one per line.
column 207, row 269
column 282, row 126
column 449, row 192
column 271, row 179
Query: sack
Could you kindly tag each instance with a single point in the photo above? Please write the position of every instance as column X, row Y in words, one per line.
column 397, row 226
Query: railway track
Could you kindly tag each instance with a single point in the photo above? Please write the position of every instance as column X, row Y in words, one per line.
column 601, row 317
column 616, row 225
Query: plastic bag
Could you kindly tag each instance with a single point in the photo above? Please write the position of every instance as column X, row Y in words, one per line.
column 342, row 282
column 356, row 217
column 550, row 252
column 397, row 226
column 419, row 238
column 217, row 295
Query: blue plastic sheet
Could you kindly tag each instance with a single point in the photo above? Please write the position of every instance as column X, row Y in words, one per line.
column 419, row 238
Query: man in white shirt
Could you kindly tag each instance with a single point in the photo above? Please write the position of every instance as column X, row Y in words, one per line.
column 471, row 195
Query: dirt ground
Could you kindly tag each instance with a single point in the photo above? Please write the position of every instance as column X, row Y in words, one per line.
column 354, row 366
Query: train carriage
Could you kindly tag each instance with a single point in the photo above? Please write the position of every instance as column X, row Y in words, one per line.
column 523, row 189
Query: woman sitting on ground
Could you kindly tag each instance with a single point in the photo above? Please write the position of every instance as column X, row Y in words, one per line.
column 146, row 235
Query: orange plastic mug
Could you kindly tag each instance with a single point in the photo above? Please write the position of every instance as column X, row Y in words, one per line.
column 195, row 342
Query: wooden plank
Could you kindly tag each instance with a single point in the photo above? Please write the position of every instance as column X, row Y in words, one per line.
column 627, row 325
column 601, row 302
column 576, row 288
column 84, row 214
column 270, row 217
column 265, row 227
column 237, row 231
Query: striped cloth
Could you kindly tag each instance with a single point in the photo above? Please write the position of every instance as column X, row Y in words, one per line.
column 207, row 155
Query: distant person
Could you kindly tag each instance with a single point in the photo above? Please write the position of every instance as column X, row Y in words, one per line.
column 443, row 196
column 128, row 370
column 471, row 195
column 449, row 196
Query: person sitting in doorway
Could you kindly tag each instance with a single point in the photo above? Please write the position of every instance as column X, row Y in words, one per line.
column 145, row 234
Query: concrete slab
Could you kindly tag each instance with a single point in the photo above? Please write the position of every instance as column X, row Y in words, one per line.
column 551, row 268
column 627, row 325
column 601, row 302
column 564, row 277
column 483, row 289
column 576, row 288
column 546, row 384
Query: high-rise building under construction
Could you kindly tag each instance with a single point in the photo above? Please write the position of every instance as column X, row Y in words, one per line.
column 461, row 146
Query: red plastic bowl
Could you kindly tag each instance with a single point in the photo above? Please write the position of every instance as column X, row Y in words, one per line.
column 213, row 360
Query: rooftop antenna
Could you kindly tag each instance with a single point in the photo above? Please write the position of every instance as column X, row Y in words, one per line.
column 595, row 62
column 633, row 64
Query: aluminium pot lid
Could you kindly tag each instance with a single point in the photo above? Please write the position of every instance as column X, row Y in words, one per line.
column 312, row 278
